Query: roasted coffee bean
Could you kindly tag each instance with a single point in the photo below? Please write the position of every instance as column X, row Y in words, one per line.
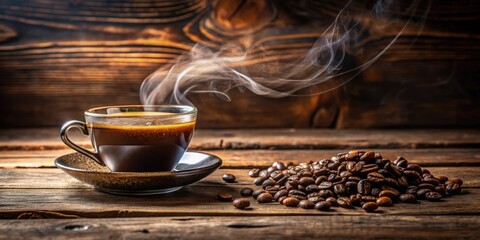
column 278, row 176
column 421, row 193
column 345, row 174
column 389, row 193
column 229, row 178
column 393, row 169
column 332, row 201
column 341, row 190
column 408, row 198
column 264, row 198
column 299, row 197
column 441, row 189
column 224, row 197
column 368, row 157
column 290, row 202
column 326, row 193
column 279, row 165
column 257, row 192
column 433, row 196
column 354, row 179
column 241, row 203
column 384, row 201
column 264, row 173
column 302, row 188
column 455, row 181
column 368, row 168
column 384, row 173
column 442, row 179
column 254, row 172
column 431, row 180
column 375, row 192
column 412, row 190
column 321, row 172
column 401, row 163
column 369, row 199
column 323, row 206
column 392, row 182
column 325, row 185
column 259, row 180
column 375, row 177
column 282, row 181
column 296, row 192
column 305, row 204
column 315, row 199
column 312, row 188
column 453, row 188
column 426, row 185
column 271, row 169
column 305, row 181
column 333, row 165
column 370, row 206
column 364, row 187
column 344, row 202
column 246, row 192
column 402, row 182
column 414, row 167
column 280, row 200
column 356, row 199
column 279, row 194
column 268, row 182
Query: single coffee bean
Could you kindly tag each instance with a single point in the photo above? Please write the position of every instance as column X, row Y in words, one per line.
column 414, row 167
column 254, row 172
column 392, row 182
column 312, row 188
column 433, row 196
column 344, row 202
column 302, row 188
column 341, row 190
column 421, row 193
column 368, row 157
column 257, row 192
column 370, row 206
column 278, row 176
column 279, row 194
column 402, row 163
column 323, row 206
column 412, row 190
column 440, row 189
column 369, row 199
column 305, row 181
column 299, row 197
column 375, row 177
column 442, row 179
column 264, row 198
column 375, row 192
column 297, row 192
column 315, row 199
column 271, row 169
column 356, row 199
column 282, row 181
column 279, row 165
column 224, row 197
column 305, row 204
column 332, row 201
column 408, row 198
column 453, row 188
column 264, row 173
column 426, row 185
column 326, row 193
column 389, row 193
column 259, row 180
column 456, row 180
column 268, row 182
column 366, row 169
column 290, row 202
column 241, row 203
column 229, row 178
column 384, row 201
column 364, row 187
column 246, row 192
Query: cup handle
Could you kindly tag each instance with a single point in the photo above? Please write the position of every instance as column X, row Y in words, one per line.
column 83, row 127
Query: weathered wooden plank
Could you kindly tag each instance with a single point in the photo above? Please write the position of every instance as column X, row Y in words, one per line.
column 42, row 178
column 292, row 227
column 263, row 158
column 48, row 139
column 192, row 201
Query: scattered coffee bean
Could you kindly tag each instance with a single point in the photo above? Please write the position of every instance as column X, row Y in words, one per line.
column 264, row 198
column 408, row 198
column 305, row 204
column 290, row 202
column 370, row 206
column 246, row 192
column 229, row 178
column 384, row 201
column 323, row 206
column 356, row 178
column 241, row 203
column 224, row 197
column 433, row 196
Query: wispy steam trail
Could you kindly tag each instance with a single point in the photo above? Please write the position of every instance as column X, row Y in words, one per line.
column 203, row 70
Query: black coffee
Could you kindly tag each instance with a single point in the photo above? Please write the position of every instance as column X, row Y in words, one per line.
column 141, row 148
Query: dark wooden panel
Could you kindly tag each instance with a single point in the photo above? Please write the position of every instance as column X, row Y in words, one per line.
column 60, row 58
column 313, row 227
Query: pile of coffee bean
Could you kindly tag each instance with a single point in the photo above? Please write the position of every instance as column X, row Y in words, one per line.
column 356, row 178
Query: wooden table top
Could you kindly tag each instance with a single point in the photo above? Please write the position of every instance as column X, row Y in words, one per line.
column 31, row 187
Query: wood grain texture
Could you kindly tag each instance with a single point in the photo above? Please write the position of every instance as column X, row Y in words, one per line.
column 48, row 139
column 59, row 58
column 314, row 227
column 449, row 157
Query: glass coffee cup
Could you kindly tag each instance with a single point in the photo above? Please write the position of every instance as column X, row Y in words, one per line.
column 136, row 138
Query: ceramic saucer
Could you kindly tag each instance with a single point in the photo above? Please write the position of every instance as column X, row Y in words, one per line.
column 192, row 167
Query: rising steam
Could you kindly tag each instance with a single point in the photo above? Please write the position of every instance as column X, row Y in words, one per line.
column 203, row 70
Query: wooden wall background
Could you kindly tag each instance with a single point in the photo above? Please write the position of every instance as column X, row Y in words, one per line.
column 58, row 58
